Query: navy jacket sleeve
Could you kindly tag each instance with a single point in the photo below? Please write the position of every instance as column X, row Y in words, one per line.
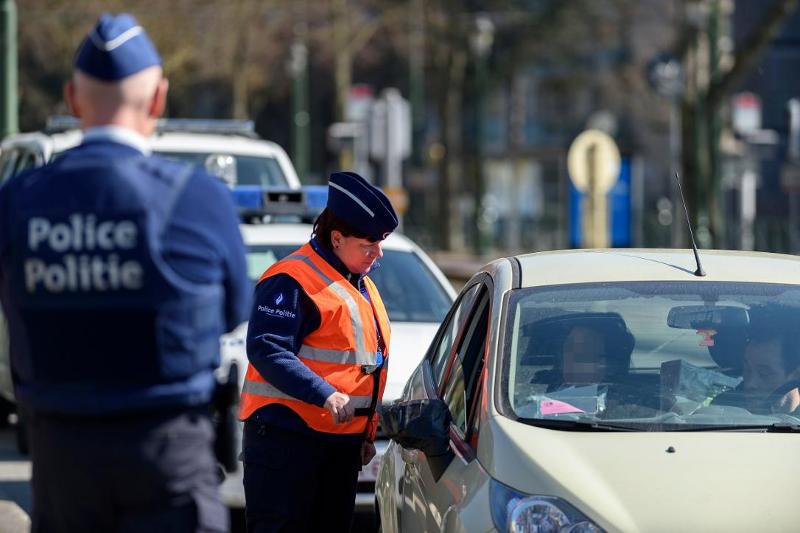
column 205, row 213
column 282, row 316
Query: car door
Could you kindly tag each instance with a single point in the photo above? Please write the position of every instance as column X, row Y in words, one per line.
column 452, row 374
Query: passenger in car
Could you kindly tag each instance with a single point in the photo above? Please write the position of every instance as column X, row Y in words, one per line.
column 596, row 348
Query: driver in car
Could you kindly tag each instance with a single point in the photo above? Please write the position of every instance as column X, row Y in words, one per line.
column 770, row 364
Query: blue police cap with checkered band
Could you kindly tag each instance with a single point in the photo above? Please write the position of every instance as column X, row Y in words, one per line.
column 362, row 205
column 116, row 48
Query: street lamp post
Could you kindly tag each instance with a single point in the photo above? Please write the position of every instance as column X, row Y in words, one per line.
column 667, row 78
column 8, row 57
column 481, row 42
column 301, row 119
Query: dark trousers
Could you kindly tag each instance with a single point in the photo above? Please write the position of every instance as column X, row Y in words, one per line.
column 134, row 473
column 295, row 482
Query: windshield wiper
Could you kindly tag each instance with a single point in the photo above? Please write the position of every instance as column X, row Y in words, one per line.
column 576, row 425
column 591, row 425
column 777, row 427
column 783, row 427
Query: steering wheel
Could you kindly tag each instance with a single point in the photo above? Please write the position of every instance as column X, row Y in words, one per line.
column 778, row 393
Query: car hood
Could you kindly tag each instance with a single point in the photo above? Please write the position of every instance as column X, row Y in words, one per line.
column 624, row 481
column 409, row 343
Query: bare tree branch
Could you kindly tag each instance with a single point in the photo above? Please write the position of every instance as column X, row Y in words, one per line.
column 750, row 51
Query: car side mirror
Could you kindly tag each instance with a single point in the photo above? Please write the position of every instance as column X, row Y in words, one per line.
column 421, row 425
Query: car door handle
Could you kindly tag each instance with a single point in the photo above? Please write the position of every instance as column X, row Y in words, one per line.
column 409, row 456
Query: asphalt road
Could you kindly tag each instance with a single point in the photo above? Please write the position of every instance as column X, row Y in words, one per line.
column 15, row 493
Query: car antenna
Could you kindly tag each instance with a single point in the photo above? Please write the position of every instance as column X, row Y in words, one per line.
column 699, row 272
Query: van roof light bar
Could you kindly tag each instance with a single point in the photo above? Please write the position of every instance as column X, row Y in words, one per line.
column 61, row 123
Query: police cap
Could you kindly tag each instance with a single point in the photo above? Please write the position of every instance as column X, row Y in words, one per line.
column 116, row 48
column 361, row 205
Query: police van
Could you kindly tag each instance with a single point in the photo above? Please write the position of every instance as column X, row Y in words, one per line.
column 230, row 149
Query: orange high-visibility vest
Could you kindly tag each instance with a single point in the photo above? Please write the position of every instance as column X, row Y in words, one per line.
column 340, row 351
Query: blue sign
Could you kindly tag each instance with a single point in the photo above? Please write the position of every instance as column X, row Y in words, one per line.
column 619, row 210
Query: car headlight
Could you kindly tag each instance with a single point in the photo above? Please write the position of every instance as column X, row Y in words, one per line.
column 515, row 512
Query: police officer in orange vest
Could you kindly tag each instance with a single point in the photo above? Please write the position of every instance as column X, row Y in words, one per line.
column 119, row 271
column 317, row 344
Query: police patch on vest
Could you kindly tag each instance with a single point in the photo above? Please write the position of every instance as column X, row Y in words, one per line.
column 280, row 313
column 82, row 253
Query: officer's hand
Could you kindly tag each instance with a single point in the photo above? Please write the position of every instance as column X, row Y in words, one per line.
column 367, row 452
column 341, row 407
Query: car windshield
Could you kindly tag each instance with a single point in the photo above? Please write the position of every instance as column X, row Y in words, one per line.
column 654, row 356
column 250, row 170
column 409, row 290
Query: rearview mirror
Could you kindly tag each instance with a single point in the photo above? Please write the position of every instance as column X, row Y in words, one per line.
column 707, row 316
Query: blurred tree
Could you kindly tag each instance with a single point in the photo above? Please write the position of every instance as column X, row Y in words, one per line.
column 229, row 59
column 709, row 81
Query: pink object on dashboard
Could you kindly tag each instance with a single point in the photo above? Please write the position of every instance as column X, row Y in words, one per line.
column 555, row 407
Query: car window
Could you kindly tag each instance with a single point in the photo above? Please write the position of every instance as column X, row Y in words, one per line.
column 409, row 290
column 460, row 384
column 250, row 170
column 449, row 331
column 653, row 355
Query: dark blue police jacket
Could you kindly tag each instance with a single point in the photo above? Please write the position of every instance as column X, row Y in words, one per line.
column 118, row 273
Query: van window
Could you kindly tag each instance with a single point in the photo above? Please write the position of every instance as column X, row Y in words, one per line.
column 250, row 170
column 27, row 159
column 8, row 162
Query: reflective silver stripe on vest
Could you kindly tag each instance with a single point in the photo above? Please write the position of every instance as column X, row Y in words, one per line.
column 352, row 306
column 338, row 356
column 265, row 389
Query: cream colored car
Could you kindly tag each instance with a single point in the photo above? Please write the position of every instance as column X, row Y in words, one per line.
column 605, row 390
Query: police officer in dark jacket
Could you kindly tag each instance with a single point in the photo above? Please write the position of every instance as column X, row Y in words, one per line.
column 119, row 270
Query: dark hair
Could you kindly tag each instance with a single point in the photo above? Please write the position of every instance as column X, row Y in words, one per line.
column 326, row 222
